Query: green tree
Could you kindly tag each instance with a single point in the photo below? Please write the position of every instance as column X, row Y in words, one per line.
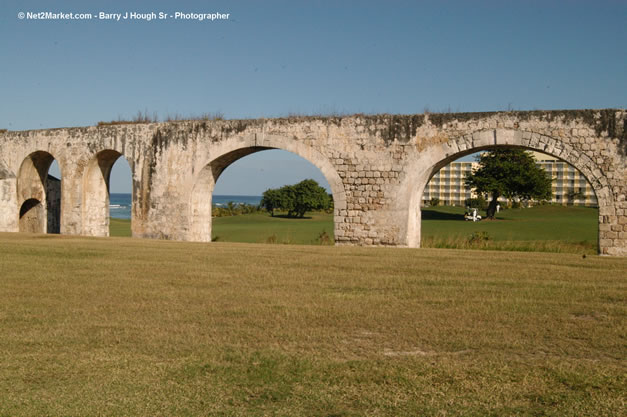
column 509, row 173
column 573, row 195
column 271, row 200
column 308, row 196
column 296, row 199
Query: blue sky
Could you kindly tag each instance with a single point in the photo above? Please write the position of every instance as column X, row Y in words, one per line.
column 274, row 58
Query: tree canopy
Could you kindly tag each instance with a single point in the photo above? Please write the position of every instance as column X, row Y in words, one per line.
column 509, row 173
column 296, row 199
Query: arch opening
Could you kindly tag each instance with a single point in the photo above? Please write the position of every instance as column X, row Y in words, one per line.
column 243, row 178
column 39, row 194
column 107, row 171
column 567, row 180
column 446, row 210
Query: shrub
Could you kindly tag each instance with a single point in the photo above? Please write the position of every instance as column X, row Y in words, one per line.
column 324, row 238
column 479, row 238
column 234, row 209
column 272, row 239
column 479, row 202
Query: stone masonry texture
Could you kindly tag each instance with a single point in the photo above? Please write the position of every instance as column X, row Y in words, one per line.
column 377, row 167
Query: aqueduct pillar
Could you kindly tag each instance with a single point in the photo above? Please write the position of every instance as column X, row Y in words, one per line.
column 377, row 166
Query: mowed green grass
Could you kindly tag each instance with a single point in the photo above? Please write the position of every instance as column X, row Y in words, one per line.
column 550, row 222
column 119, row 227
column 259, row 228
column 262, row 228
column 540, row 228
column 543, row 228
column 113, row 326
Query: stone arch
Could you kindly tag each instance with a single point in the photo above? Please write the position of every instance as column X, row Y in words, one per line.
column 95, row 193
column 205, row 180
column 34, row 184
column 432, row 160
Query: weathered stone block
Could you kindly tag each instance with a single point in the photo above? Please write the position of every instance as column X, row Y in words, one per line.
column 174, row 166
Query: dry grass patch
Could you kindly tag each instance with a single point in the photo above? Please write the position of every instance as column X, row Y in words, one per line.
column 140, row 327
column 145, row 117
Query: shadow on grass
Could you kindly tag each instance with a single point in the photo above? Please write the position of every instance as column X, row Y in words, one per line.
column 428, row 214
column 285, row 216
column 438, row 215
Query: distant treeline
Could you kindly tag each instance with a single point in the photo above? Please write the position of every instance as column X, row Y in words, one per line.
column 234, row 209
column 295, row 200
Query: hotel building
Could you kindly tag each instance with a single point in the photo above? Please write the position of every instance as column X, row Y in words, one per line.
column 569, row 185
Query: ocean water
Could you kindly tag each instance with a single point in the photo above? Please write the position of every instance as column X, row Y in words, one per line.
column 120, row 204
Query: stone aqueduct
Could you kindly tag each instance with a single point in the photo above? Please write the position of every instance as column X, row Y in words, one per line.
column 377, row 167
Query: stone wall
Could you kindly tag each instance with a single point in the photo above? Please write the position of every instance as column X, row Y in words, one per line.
column 377, row 166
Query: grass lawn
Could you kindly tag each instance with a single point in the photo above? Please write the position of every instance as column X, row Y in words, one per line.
column 113, row 326
column 545, row 228
column 119, row 227
column 259, row 228
column 262, row 228
column 540, row 229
